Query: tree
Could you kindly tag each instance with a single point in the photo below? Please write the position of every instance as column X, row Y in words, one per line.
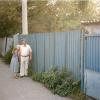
column 9, row 18
column 62, row 15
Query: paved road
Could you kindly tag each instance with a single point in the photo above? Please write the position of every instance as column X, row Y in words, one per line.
column 23, row 88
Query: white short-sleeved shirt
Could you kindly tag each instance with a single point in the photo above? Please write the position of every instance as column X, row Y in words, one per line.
column 25, row 50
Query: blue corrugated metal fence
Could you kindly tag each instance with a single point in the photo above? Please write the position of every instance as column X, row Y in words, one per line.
column 59, row 49
column 74, row 50
column 92, row 65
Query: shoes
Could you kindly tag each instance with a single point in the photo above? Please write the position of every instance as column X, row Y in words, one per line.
column 21, row 76
column 16, row 77
column 26, row 76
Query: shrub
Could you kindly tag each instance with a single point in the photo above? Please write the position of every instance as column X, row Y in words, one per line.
column 8, row 56
column 50, row 78
column 59, row 82
column 37, row 77
column 67, row 87
column 79, row 95
column 30, row 71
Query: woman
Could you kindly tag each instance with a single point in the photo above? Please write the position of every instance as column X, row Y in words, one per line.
column 14, row 65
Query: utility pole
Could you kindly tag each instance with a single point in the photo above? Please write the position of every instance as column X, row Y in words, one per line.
column 24, row 17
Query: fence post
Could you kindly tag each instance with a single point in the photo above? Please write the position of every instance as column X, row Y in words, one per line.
column 82, row 60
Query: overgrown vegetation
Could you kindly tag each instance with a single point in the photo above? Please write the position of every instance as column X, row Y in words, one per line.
column 78, row 95
column 30, row 71
column 59, row 82
column 8, row 56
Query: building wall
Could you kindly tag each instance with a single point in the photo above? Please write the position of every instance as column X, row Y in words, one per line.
column 5, row 45
column 2, row 46
column 93, row 29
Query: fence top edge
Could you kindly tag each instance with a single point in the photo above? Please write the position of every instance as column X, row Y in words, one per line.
column 46, row 33
column 92, row 35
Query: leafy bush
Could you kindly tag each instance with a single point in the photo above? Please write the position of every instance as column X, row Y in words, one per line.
column 50, row 78
column 8, row 56
column 59, row 82
column 30, row 71
column 34, row 75
column 37, row 77
column 79, row 95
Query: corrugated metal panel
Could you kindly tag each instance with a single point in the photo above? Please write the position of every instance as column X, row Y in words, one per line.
column 92, row 66
column 60, row 39
column 60, row 49
column 99, row 54
column 92, row 50
column 16, row 39
column 73, row 53
column 92, row 84
column 34, row 48
column 40, row 52
column 52, row 49
column 9, row 43
column 2, row 46
column 47, row 52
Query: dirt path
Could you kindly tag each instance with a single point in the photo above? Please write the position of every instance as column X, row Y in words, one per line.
column 23, row 88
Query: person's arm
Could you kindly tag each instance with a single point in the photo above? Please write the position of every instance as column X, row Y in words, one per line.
column 30, row 53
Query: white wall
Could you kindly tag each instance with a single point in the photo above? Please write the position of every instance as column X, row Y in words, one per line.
column 93, row 29
column 9, row 44
column 5, row 45
column 2, row 46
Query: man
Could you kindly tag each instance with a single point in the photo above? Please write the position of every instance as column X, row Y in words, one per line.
column 25, row 56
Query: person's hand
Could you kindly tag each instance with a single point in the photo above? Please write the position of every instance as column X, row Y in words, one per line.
column 30, row 58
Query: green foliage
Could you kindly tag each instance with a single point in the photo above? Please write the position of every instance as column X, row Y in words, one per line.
column 63, row 16
column 30, row 71
column 37, row 77
column 51, row 79
column 79, row 95
column 34, row 75
column 82, row 5
column 9, row 18
column 8, row 56
column 58, row 81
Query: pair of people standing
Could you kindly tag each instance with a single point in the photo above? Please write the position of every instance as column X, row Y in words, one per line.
column 22, row 54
